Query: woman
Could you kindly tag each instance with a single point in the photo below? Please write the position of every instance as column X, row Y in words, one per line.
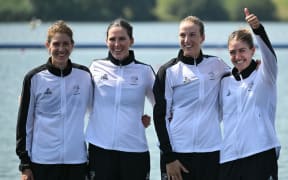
column 50, row 127
column 186, row 113
column 118, row 147
column 248, row 99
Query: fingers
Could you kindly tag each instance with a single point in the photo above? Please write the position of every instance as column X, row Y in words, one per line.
column 183, row 169
column 175, row 177
column 146, row 120
column 246, row 12
column 251, row 19
column 174, row 170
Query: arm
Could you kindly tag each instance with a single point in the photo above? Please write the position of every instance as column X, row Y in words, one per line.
column 146, row 119
column 159, row 115
column 163, row 96
column 268, row 55
column 23, row 132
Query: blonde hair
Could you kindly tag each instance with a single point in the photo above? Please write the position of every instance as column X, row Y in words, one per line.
column 194, row 20
column 59, row 27
column 243, row 35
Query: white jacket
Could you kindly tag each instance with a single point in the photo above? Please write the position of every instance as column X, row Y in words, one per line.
column 249, row 106
column 120, row 91
column 50, row 127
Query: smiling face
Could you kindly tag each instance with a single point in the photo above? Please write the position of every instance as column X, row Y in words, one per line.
column 60, row 43
column 118, row 42
column 241, row 49
column 60, row 48
column 191, row 36
column 240, row 54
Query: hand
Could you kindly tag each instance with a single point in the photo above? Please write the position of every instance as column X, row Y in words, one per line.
column 146, row 120
column 258, row 62
column 251, row 19
column 174, row 170
column 27, row 175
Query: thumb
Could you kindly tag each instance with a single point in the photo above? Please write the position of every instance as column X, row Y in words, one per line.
column 246, row 11
column 184, row 169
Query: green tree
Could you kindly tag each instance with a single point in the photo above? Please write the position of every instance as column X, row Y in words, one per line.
column 15, row 10
column 93, row 10
column 178, row 9
column 264, row 9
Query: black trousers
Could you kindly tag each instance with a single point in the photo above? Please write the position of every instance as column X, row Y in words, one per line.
column 117, row 165
column 201, row 166
column 261, row 166
column 59, row 171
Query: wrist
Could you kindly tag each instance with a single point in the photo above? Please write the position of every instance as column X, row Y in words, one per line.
column 22, row 167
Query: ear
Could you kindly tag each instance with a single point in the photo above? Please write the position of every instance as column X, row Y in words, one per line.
column 203, row 38
column 253, row 49
column 47, row 44
column 131, row 41
column 106, row 41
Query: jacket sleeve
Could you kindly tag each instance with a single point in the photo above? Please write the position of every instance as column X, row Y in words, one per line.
column 24, row 122
column 149, row 89
column 160, row 113
column 269, row 60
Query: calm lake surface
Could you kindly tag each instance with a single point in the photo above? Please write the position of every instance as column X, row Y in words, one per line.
column 16, row 62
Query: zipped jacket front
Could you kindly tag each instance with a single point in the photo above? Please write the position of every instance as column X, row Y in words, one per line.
column 50, row 127
column 186, row 113
column 249, row 102
column 120, row 91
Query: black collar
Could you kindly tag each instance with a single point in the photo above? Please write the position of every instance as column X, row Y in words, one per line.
column 123, row 62
column 190, row 60
column 58, row 72
column 246, row 72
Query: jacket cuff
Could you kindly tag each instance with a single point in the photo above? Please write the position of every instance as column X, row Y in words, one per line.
column 169, row 157
column 259, row 29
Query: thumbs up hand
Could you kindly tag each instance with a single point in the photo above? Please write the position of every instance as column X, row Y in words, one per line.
column 251, row 19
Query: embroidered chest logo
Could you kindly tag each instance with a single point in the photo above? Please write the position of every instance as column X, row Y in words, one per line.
column 211, row 75
column 104, row 77
column 134, row 80
column 228, row 92
column 250, row 86
column 76, row 90
column 48, row 92
column 186, row 80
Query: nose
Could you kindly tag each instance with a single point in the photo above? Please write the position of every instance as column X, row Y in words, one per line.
column 117, row 42
column 186, row 39
column 237, row 54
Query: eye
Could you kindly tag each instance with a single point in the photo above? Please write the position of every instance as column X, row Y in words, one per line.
column 182, row 35
column 243, row 50
column 56, row 44
column 192, row 34
column 122, row 38
column 232, row 52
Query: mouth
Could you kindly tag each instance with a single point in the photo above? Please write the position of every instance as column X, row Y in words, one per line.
column 187, row 46
column 239, row 62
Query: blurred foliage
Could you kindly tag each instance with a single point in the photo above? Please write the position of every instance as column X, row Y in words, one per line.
column 264, row 9
column 135, row 10
column 282, row 9
column 168, row 10
column 15, row 10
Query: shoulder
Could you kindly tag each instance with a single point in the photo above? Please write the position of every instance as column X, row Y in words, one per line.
column 168, row 64
column 144, row 65
column 35, row 71
column 214, row 59
column 80, row 67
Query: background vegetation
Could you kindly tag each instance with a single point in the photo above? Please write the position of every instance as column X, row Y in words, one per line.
column 140, row 10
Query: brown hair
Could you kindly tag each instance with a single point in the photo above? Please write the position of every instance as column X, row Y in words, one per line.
column 195, row 20
column 121, row 23
column 59, row 27
column 243, row 35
